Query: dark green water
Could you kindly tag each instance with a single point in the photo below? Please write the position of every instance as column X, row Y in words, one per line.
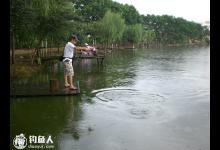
column 154, row 99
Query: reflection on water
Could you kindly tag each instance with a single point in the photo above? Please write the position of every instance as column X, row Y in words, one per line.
column 139, row 99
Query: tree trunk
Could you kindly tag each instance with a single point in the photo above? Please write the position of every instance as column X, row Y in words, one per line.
column 36, row 51
column 13, row 49
column 42, row 45
column 58, row 48
column 46, row 47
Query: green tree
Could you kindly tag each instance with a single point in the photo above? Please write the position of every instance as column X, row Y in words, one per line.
column 148, row 37
column 134, row 33
column 36, row 20
column 112, row 27
column 33, row 21
column 130, row 14
column 21, row 23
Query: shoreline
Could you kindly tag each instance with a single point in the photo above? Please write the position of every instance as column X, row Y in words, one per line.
column 25, row 69
column 100, row 46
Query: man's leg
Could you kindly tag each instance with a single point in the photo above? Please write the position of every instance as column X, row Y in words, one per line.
column 70, row 74
column 66, row 81
column 66, row 73
column 71, row 82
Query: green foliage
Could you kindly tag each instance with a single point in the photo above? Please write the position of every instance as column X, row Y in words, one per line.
column 33, row 21
column 134, row 33
column 169, row 29
column 112, row 27
column 105, row 20
column 148, row 36
column 130, row 14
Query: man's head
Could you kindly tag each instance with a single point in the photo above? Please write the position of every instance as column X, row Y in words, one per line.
column 73, row 39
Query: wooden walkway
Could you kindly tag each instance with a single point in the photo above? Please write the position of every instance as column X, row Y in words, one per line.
column 44, row 91
column 61, row 92
column 99, row 58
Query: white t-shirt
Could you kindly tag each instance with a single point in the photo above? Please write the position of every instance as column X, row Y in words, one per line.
column 69, row 50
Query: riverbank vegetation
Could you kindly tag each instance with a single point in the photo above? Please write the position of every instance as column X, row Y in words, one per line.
column 24, row 70
column 108, row 24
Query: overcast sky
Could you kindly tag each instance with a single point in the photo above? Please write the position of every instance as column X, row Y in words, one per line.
column 192, row 10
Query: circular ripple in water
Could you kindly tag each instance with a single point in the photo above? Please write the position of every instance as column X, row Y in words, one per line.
column 123, row 94
column 136, row 104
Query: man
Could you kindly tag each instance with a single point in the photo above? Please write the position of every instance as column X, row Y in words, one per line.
column 69, row 51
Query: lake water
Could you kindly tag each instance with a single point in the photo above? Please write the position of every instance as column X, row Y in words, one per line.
column 141, row 99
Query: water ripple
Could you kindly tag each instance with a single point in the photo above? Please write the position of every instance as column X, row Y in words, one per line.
column 134, row 103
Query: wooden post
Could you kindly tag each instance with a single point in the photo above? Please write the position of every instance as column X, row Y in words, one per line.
column 46, row 47
column 58, row 49
column 78, row 88
column 102, row 61
column 13, row 48
column 97, row 59
column 54, row 85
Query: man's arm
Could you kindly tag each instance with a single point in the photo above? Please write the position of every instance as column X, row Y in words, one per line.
column 79, row 49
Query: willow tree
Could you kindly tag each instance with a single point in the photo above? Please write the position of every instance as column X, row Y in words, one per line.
column 33, row 21
column 148, row 37
column 53, row 17
column 112, row 27
column 134, row 34
column 21, row 25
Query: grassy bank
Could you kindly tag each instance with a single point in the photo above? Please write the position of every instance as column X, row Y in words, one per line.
column 23, row 70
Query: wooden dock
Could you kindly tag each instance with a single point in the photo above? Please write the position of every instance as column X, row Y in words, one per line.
column 44, row 54
column 44, row 91
column 62, row 92
column 99, row 59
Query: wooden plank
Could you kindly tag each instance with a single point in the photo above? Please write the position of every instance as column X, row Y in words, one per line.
column 54, row 85
column 43, row 94
column 76, row 57
column 46, row 92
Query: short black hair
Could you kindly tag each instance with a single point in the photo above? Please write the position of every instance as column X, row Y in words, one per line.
column 73, row 37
